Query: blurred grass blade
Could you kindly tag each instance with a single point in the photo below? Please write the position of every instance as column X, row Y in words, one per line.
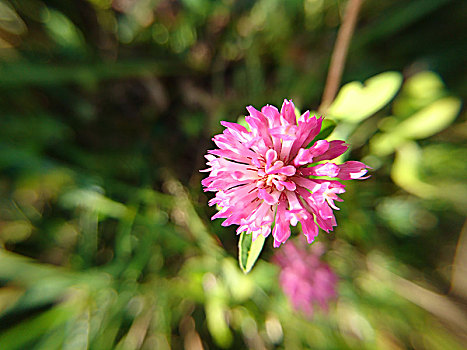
column 93, row 201
column 249, row 250
column 19, row 336
column 44, row 283
column 53, row 340
column 10, row 22
column 78, row 332
column 20, row 74
column 217, row 324
column 193, row 221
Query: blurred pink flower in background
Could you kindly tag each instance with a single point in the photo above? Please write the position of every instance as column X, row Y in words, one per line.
column 267, row 175
column 304, row 278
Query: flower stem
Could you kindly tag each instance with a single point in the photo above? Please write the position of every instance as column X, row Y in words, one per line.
column 339, row 54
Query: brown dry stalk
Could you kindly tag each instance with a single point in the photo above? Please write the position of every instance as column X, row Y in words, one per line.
column 339, row 54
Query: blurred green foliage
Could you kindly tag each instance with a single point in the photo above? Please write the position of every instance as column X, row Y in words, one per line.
column 107, row 110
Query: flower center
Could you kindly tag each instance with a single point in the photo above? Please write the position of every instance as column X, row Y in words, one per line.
column 270, row 180
column 276, row 176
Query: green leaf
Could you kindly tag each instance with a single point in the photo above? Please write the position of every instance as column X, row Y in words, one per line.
column 419, row 91
column 405, row 171
column 249, row 250
column 430, row 120
column 356, row 102
column 242, row 122
column 425, row 123
column 63, row 31
column 327, row 128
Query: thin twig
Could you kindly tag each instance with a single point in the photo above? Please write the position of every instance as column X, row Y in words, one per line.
column 339, row 54
column 459, row 266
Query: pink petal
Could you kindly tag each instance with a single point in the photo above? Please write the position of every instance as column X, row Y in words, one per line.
column 288, row 112
column 267, row 197
column 336, row 148
column 272, row 114
column 327, row 169
column 352, row 170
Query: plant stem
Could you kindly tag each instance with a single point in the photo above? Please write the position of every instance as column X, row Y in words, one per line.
column 339, row 54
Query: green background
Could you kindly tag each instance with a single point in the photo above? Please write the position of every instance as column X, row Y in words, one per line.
column 107, row 108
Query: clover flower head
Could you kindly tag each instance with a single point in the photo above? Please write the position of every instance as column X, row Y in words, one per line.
column 269, row 177
column 304, row 278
